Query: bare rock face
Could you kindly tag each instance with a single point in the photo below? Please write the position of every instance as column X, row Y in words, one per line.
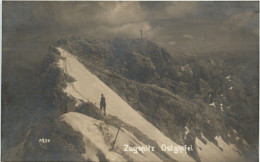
column 45, row 140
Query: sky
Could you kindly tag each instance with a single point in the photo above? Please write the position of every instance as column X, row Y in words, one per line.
column 184, row 27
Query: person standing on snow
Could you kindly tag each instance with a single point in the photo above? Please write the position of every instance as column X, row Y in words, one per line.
column 103, row 103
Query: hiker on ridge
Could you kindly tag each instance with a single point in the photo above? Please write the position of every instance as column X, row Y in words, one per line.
column 103, row 103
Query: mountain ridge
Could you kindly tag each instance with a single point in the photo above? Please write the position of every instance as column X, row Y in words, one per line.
column 202, row 93
column 181, row 98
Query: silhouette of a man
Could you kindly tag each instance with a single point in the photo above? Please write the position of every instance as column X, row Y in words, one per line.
column 103, row 103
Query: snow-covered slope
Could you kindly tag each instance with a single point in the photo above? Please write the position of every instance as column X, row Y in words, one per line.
column 95, row 141
column 228, row 153
column 88, row 87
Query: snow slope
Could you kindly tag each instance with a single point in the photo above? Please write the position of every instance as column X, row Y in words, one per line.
column 88, row 87
column 95, row 139
column 210, row 152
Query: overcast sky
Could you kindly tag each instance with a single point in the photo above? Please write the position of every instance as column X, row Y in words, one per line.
column 191, row 27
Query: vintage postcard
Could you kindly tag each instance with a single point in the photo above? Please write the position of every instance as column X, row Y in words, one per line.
column 130, row 81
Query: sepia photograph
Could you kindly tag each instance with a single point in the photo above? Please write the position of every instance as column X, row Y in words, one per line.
column 130, row 81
